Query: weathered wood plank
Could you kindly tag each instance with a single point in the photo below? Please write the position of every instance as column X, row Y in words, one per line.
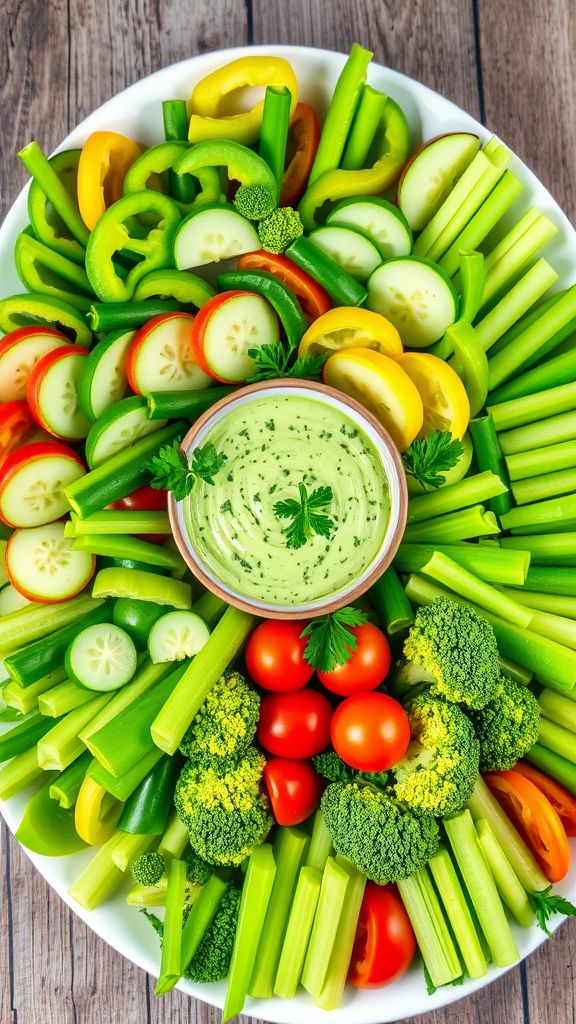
column 550, row 979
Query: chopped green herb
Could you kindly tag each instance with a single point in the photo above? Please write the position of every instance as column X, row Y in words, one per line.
column 273, row 361
column 428, row 458
column 547, row 903
column 331, row 642
column 173, row 472
column 305, row 515
column 226, row 506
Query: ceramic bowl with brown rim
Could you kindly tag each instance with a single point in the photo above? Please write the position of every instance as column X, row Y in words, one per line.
column 308, row 508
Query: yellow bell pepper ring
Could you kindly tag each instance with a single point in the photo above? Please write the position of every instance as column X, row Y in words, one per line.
column 211, row 99
column 102, row 167
column 96, row 814
column 444, row 399
column 350, row 327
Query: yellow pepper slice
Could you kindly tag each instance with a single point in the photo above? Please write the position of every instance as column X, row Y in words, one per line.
column 96, row 813
column 351, row 327
column 380, row 384
column 210, row 115
column 104, row 161
column 444, row 398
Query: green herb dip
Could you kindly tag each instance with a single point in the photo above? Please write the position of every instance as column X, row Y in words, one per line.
column 272, row 444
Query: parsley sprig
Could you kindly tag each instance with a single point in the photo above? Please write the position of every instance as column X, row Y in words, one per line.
column 305, row 515
column 429, row 458
column 331, row 642
column 273, row 361
column 173, row 472
column 547, row 903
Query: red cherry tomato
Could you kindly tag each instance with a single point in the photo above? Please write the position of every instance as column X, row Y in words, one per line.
column 275, row 656
column 295, row 724
column 370, row 731
column 294, row 789
column 145, row 499
column 366, row 669
column 384, row 946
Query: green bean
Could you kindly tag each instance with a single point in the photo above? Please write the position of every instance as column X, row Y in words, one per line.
column 123, row 316
column 46, row 655
column 39, row 167
column 274, row 131
column 489, row 457
column 342, row 288
column 166, row 405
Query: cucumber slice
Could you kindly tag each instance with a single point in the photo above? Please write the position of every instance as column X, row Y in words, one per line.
column 11, row 600
column 416, row 296
column 43, row 566
column 136, row 618
column 118, row 428
column 242, row 322
column 432, row 173
column 101, row 657
column 32, row 491
column 53, row 392
column 161, row 359
column 351, row 249
column 176, row 636
column 103, row 378
column 19, row 352
column 213, row 233
column 382, row 222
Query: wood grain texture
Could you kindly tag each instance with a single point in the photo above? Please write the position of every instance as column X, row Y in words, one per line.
column 513, row 62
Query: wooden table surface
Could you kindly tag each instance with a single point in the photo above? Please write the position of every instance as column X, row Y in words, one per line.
column 510, row 63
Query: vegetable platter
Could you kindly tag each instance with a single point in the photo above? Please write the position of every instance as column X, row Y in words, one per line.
column 254, row 785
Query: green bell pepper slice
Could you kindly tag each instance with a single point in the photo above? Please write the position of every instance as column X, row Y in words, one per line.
column 42, row 270
column 241, row 164
column 393, row 142
column 470, row 363
column 65, row 205
column 472, row 281
column 122, row 230
column 47, row 828
column 47, row 225
column 33, row 308
column 162, row 158
column 181, row 285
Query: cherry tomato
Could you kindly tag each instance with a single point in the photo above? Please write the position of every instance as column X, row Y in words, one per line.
column 295, row 724
column 275, row 656
column 366, row 669
column 145, row 499
column 370, row 731
column 536, row 820
column 562, row 801
column 385, row 945
column 294, row 789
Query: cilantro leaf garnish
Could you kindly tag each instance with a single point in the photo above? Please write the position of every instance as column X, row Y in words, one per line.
column 331, row 642
column 173, row 472
column 273, row 361
column 305, row 515
column 547, row 903
column 430, row 457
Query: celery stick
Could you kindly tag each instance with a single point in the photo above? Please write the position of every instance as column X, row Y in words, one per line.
column 494, row 566
column 547, row 549
column 115, row 521
column 24, row 700
column 537, row 311
column 444, row 570
column 64, row 697
column 330, row 997
column 59, row 747
column 298, row 931
column 170, row 967
column 515, row 303
column 35, row 660
column 148, row 895
column 486, row 217
column 532, row 340
column 454, row 902
column 320, row 843
column 99, row 880
column 35, row 621
column 341, row 110
column 489, row 457
column 542, row 462
column 204, row 671
column 430, row 927
column 556, row 580
column 128, row 547
column 55, row 191
column 289, row 849
column 550, row 374
column 66, row 786
column 366, row 120
column 481, row 887
column 128, row 848
column 555, row 627
column 550, row 485
column 393, row 607
column 558, row 709
column 519, row 411
column 256, row 893
column 513, row 253
column 125, row 785
column 515, row 671
column 175, row 839
column 210, row 608
column 147, row 676
column 484, row 806
column 454, row 497
column 555, row 604
column 205, row 906
column 512, row 894
column 455, row 526
column 540, row 513
column 557, row 739
column 19, row 773
column 326, row 923
column 553, row 764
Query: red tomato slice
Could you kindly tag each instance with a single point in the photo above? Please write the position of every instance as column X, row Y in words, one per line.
column 312, row 297
column 562, row 801
column 15, row 421
column 536, row 820
column 295, row 724
column 385, row 944
column 275, row 656
column 366, row 669
column 294, row 789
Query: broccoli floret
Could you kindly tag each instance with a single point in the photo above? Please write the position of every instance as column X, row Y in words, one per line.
column 211, row 961
column 455, row 650
column 331, row 767
column 223, row 808
column 282, row 227
column 197, row 870
column 148, row 868
column 254, row 201
column 507, row 726
column 384, row 840
column 226, row 722
column 440, row 768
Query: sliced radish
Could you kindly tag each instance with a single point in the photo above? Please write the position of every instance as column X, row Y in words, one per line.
column 431, row 173
column 15, row 422
column 52, row 392
column 32, row 483
column 160, row 357
column 213, row 233
column 225, row 330
column 103, row 379
column 118, row 428
column 19, row 351
column 42, row 565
